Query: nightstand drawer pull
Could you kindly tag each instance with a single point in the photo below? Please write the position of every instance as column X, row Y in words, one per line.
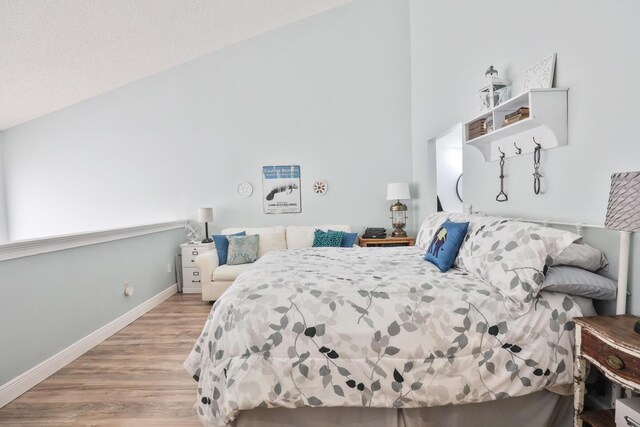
column 615, row 362
column 630, row 421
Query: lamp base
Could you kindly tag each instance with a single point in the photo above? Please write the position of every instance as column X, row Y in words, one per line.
column 206, row 239
column 399, row 232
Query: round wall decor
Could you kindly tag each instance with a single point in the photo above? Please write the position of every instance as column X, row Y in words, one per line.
column 320, row 187
column 244, row 189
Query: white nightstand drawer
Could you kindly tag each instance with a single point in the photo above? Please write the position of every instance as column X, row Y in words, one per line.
column 192, row 280
column 190, row 253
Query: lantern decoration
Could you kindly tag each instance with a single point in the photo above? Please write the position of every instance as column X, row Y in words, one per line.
column 494, row 91
column 398, row 191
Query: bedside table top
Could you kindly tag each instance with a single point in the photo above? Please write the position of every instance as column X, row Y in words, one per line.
column 387, row 239
column 618, row 329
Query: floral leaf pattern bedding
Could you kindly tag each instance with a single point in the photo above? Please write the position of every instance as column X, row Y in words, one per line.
column 376, row 327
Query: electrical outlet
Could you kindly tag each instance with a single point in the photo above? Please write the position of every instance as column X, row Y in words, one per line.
column 168, row 267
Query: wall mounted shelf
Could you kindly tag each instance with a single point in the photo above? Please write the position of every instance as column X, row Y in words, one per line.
column 547, row 123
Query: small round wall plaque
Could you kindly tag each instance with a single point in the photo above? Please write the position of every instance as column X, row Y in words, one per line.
column 320, row 187
column 244, row 189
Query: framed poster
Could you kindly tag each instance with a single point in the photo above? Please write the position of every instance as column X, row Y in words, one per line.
column 281, row 189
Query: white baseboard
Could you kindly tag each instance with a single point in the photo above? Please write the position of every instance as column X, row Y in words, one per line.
column 22, row 383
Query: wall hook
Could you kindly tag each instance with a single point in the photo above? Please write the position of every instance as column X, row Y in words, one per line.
column 536, row 142
column 501, row 152
column 518, row 149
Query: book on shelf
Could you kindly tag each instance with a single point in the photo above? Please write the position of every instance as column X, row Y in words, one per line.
column 514, row 119
column 519, row 111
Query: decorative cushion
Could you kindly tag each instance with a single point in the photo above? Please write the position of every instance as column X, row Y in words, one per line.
column 271, row 238
column 445, row 244
column 348, row 240
column 222, row 246
column 513, row 256
column 327, row 239
column 432, row 223
column 301, row 236
column 243, row 249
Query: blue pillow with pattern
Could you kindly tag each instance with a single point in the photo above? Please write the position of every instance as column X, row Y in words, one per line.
column 446, row 243
column 327, row 239
column 348, row 240
column 243, row 249
column 222, row 246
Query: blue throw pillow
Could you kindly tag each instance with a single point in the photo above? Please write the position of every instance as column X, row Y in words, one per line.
column 327, row 239
column 348, row 240
column 446, row 243
column 222, row 245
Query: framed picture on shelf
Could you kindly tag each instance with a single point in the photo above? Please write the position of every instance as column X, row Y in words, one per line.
column 541, row 74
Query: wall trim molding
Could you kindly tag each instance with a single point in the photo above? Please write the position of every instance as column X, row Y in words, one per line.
column 24, row 248
column 27, row 380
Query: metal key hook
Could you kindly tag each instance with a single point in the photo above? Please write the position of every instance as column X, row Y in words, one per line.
column 502, row 196
column 536, row 167
column 518, row 149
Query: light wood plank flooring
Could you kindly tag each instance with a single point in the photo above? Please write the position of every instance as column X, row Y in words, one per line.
column 135, row 378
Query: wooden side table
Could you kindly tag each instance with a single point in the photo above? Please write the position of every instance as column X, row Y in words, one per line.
column 387, row 241
column 611, row 346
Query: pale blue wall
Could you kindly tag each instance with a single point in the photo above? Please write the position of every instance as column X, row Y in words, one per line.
column 49, row 301
column 3, row 208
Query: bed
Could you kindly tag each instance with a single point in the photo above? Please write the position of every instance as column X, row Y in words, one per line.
column 379, row 336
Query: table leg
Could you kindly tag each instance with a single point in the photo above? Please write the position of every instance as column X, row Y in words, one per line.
column 579, row 369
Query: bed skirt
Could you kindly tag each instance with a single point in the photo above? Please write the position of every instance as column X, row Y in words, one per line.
column 540, row 409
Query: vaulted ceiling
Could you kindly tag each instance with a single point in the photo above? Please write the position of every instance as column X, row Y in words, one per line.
column 56, row 53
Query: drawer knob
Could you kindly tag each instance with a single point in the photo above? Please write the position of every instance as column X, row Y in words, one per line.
column 615, row 362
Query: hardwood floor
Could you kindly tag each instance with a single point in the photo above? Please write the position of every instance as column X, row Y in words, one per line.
column 135, row 378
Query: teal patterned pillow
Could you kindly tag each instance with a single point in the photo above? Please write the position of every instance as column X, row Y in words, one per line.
column 242, row 249
column 327, row 239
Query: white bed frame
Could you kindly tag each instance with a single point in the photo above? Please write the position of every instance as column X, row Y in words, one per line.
column 623, row 265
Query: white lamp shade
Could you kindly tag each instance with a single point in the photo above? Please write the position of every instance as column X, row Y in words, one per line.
column 398, row 191
column 205, row 214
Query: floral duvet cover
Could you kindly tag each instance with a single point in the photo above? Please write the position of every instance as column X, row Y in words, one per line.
column 376, row 327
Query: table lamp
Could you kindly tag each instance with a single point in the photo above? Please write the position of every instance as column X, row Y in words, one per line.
column 398, row 191
column 206, row 215
column 623, row 214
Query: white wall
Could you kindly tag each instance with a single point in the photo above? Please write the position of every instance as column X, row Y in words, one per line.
column 448, row 166
column 330, row 93
column 596, row 43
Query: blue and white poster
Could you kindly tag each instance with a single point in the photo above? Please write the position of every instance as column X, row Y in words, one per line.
column 281, row 189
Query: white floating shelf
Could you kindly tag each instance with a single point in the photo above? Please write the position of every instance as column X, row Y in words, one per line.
column 547, row 123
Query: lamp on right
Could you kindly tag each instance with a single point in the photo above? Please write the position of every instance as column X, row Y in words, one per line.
column 623, row 214
column 398, row 191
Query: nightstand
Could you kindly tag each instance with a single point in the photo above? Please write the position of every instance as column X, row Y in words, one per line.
column 191, row 280
column 387, row 241
column 611, row 346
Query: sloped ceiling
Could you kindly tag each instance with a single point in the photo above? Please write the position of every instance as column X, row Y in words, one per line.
column 55, row 53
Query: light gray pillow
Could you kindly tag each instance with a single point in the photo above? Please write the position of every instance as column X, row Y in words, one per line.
column 581, row 255
column 576, row 281
column 242, row 249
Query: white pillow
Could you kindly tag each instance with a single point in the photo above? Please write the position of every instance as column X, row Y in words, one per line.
column 512, row 256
